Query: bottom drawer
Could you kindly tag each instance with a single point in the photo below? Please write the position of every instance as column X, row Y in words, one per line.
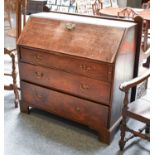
column 64, row 105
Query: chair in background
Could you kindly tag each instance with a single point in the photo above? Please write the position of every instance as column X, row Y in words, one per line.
column 9, row 9
column 96, row 7
column 7, row 13
column 138, row 110
column 12, row 52
column 127, row 13
column 13, row 74
column 130, row 14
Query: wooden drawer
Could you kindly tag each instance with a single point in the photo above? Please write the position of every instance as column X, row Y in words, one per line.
column 64, row 105
column 81, row 66
column 84, row 87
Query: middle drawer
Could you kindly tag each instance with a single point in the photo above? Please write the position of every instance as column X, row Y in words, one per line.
column 76, row 85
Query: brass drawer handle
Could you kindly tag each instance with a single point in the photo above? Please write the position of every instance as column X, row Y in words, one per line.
column 39, row 96
column 70, row 26
column 37, row 57
column 84, row 87
column 77, row 109
column 85, row 67
column 39, row 75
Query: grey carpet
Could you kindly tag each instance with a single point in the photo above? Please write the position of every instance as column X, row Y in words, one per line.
column 41, row 133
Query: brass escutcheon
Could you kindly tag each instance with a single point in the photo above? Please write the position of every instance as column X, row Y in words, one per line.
column 77, row 109
column 39, row 96
column 70, row 26
column 39, row 75
column 84, row 86
column 85, row 67
column 37, row 57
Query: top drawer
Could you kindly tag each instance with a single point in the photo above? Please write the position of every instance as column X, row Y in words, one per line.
column 81, row 66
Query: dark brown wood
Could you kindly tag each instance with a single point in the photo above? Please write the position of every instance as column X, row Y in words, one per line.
column 65, row 105
column 91, row 48
column 138, row 110
column 13, row 74
column 20, row 4
column 147, row 63
column 79, row 68
column 24, row 10
column 76, row 85
column 89, row 68
column 18, row 18
column 139, row 22
column 145, row 1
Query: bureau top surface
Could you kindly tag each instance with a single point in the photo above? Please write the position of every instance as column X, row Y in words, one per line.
column 92, row 38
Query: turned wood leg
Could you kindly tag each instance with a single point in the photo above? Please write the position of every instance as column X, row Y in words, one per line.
column 123, row 123
column 14, row 76
column 12, row 86
column 16, row 96
column 122, row 130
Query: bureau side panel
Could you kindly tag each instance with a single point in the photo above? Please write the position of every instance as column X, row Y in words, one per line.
column 124, row 69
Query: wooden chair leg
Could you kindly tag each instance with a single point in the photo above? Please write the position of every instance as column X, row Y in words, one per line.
column 122, row 130
column 123, row 123
column 15, row 89
column 14, row 76
column 12, row 86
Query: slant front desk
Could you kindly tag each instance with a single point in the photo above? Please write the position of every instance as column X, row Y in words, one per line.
column 72, row 66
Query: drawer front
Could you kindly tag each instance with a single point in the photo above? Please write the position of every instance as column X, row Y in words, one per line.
column 100, row 71
column 84, row 87
column 64, row 105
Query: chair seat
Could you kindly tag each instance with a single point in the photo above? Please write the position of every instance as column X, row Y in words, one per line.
column 141, row 108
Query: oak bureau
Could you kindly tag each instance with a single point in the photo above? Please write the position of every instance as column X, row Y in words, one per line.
column 72, row 66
